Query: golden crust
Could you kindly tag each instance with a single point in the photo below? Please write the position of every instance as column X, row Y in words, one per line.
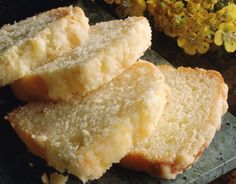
column 31, row 144
column 139, row 162
column 156, row 168
column 38, row 88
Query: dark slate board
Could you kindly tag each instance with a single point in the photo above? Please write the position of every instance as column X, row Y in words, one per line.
column 217, row 159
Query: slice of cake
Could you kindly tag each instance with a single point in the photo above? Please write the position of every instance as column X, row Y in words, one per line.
column 111, row 48
column 188, row 123
column 35, row 41
column 87, row 135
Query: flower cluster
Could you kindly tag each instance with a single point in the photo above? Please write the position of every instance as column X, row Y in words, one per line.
column 196, row 24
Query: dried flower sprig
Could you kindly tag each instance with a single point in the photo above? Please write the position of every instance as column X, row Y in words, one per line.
column 196, row 24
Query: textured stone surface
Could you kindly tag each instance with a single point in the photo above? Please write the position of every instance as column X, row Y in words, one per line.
column 16, row 162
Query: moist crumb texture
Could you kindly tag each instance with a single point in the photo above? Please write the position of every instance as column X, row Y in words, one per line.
column 111, row 48
column 188, row 123
column 37, row 40
column 86, row 135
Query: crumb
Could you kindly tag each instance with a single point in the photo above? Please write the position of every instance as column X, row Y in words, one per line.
column 44, row 178
column 31, row 164
column 56, row 178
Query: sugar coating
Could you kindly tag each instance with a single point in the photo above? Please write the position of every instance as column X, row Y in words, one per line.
column 10, row 34
column 101, row 35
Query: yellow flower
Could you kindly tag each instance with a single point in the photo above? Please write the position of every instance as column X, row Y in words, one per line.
column 151, row 6
column 192, row 24
column 212, row 21
column 139, row 6
column 206, row 4
column 196, row 1
column 195, row 23
column 168, row 16
column 160, row 7
column 176, row 26
column 131, row 8
column 176, row 8
column 209, row 4
column 162, row 22
column 194, row 8
column 193, row 43
column 159, row 10
column 226, row 35
column 227, row 13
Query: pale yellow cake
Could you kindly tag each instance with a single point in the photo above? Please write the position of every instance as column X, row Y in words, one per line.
column 188, row 123
column 35, row 41
column 111, row 48
column 85, row 136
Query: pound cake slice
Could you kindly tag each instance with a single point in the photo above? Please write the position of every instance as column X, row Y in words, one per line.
column 86, row 135
column 111, row 48
column 37, row 40
column 188, row 123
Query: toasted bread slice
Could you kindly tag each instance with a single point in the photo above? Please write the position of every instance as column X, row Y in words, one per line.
column 187, row 126
column 86, row 135
column 37, row 40
column 111, row 48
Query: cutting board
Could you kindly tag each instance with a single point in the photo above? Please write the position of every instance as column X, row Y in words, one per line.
column 19, row 166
